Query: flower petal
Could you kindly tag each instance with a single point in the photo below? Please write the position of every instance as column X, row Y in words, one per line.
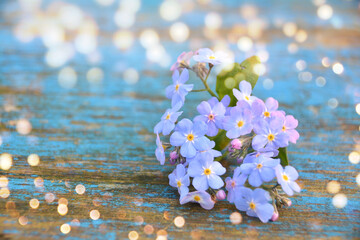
column 177, row 139
column 245, row 87
column 187, row 150
column 200, row 183
column 218, row 168
column 215, row 182
column 264, row 212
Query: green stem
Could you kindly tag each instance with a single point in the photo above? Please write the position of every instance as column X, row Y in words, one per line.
column 199, row 90
column 207, row 86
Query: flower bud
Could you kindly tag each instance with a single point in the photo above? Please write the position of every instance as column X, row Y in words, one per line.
column 236, row 144
column 173, row 155
column 287, row 202
column 275, row 216
column 220, row 195
column 240, row 160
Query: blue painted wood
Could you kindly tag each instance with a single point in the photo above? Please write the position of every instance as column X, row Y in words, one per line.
column 102, row 137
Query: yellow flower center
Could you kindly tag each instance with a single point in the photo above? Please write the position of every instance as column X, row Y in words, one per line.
column 179, row 183
column 247, row 98
column 211, row 116
column 259, row 166
column 212, row 57
column 168, row 116
column 267, row 114
column 190, row 137
column 283, row 128
column 252, row 205
column 257, row 155
column 164, row 147
column 197, row 198
column 240, row 123
column 285, row 177
column 271, row 137
column 177, row 87
column 207, row 171
column 233, row 184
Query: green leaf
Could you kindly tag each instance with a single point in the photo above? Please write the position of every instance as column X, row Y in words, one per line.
column 221, row 141
column 283, row 157
column 230, row 77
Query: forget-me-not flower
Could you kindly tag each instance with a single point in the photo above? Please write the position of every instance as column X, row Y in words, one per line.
column 212, row 116
column 234, row 184
column 160, row 150
column 264, row 110
column 206, row 173
column 201, row 197
column 184, row 58
column 179, row 179
column 238, row 123
column 286, row 178
column 255, row 203
column 269, row 134
column 206, row 55
column 178, row 90
column 167, row 122
column 289, row 123
column 244, row 93
column 262, row 169
column 190, row 136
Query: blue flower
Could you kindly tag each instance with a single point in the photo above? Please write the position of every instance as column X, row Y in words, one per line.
column 212, row 116
column 265, row 110
column 167, row 123
column 160, row 150
column 190, row 137
column 206, row 173
column 201, row 197
column 178, row 90
column 245, row 92
column 255, row 203
column 179, row 179
column 260, row 170
column 286, row 178
column 208, row 153
column 266, row 152
column 269, row 134
column 206, row 55
column 234, row 184
column 238, row 123
column 289, row 123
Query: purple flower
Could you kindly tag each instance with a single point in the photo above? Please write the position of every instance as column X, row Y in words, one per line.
column 178, row 90
column 201, row 197
column 207, row 153
column 190, row 137
column 206, row 173
column 286, row 178
column 244, row 93
column 289, row 123
column 212, row 116
column 265, row 110
column 266, row 152
column 160, row 150
column 179, row 179
column 206, row 55
column 260, row 170
column 269, row 134
column 255, row 203
column 183, row 59
column 167, row 123
column 238, row 123
column 234, row 184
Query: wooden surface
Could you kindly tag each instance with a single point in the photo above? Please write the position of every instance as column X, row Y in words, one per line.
column 101, row 137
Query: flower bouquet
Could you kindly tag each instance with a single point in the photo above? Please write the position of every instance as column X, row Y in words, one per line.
column 233, row 126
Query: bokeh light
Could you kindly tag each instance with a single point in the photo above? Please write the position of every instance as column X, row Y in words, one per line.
column 33, row 159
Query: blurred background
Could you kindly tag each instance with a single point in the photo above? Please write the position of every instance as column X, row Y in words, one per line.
column 82, row 83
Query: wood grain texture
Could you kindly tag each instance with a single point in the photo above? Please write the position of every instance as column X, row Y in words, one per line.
column 102, row 137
